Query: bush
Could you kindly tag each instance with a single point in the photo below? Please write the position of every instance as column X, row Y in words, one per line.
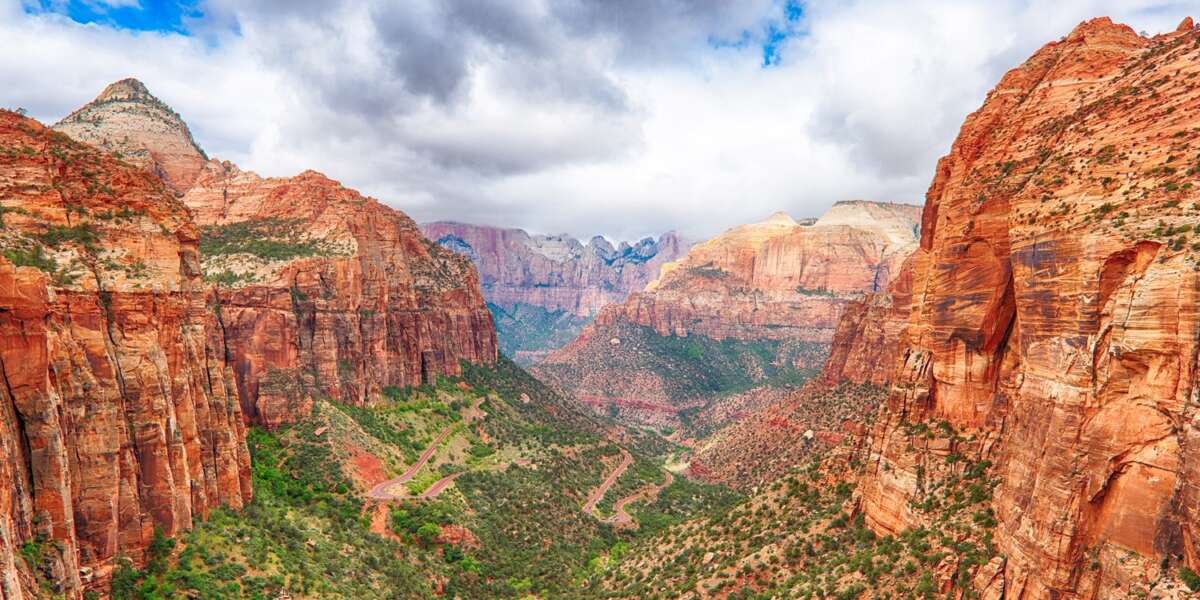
column 1190, row 578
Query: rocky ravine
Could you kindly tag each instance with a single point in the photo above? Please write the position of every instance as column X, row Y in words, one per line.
column 118, row 412
column 756, row 303
column 1053, row 319
column 544, row 288
column 322, row 291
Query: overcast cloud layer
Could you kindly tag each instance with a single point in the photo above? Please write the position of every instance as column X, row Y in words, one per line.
column 619, row 117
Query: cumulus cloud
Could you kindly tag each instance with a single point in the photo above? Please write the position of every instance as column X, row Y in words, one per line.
column 622, row 117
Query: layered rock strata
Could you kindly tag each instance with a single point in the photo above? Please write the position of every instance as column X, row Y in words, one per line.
column 118, row 412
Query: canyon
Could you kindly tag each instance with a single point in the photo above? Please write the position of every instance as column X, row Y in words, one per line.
column 543, row 289
column 760, row 302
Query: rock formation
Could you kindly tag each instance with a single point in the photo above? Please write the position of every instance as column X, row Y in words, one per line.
column 757, row 304
column 321, row 291
column 125, row 119
column 543, row 289
column 118, row 413
column 777, row 279
column 1053, row 320
column 324, row 291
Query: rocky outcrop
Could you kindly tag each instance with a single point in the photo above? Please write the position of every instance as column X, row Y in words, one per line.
column 117, row 408
column 543, row 289
column 555, row 272
column 326, row 292
column 1053, row 319
column 777, row 279
column 128, row 121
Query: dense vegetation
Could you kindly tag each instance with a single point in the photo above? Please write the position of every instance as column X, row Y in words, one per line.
column 802, row 538
column 695, row 366
column 269, row 239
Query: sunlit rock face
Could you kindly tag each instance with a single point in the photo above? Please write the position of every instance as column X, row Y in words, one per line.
column 1053, row 315
column 745, row 308
column 777, row 279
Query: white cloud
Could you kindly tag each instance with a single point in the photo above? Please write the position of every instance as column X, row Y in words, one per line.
column 580, row 116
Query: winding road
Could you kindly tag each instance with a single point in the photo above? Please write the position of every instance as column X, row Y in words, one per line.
column 380, row 491
column 440, row 485
column 650, row 492
column 598, row 493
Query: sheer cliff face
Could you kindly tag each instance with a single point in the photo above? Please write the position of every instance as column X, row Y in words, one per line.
column 557, row 273
column 776, row 279
column 118, row 413
column 1053, row 315
column 326, row 292
column 125, row 119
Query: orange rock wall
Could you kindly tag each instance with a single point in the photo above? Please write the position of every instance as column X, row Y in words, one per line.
column 1054, row 315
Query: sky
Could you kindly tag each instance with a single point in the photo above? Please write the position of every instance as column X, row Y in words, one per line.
column 623, row 118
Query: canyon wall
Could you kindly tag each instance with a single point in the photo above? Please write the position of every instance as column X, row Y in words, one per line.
column 777, row 279
column 1053, row 319
column 118, row 413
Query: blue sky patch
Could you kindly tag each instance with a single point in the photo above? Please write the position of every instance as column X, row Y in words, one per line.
column 774, row 36
column 167, row 16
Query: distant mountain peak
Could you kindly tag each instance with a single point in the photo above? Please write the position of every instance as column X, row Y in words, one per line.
column 125, row 89
column 779, row 218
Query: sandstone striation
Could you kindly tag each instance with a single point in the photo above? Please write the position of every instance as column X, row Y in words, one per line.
column 321, row 291
column 118, row 414
column 556, row 272
column 1053, row 319
column 324, row 292
column 127, row 120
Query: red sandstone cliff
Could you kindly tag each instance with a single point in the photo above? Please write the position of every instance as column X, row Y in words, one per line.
column 557, row 273
column 117, row 409
column 321, row 291
column 326, row 292
column 1053, row 319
